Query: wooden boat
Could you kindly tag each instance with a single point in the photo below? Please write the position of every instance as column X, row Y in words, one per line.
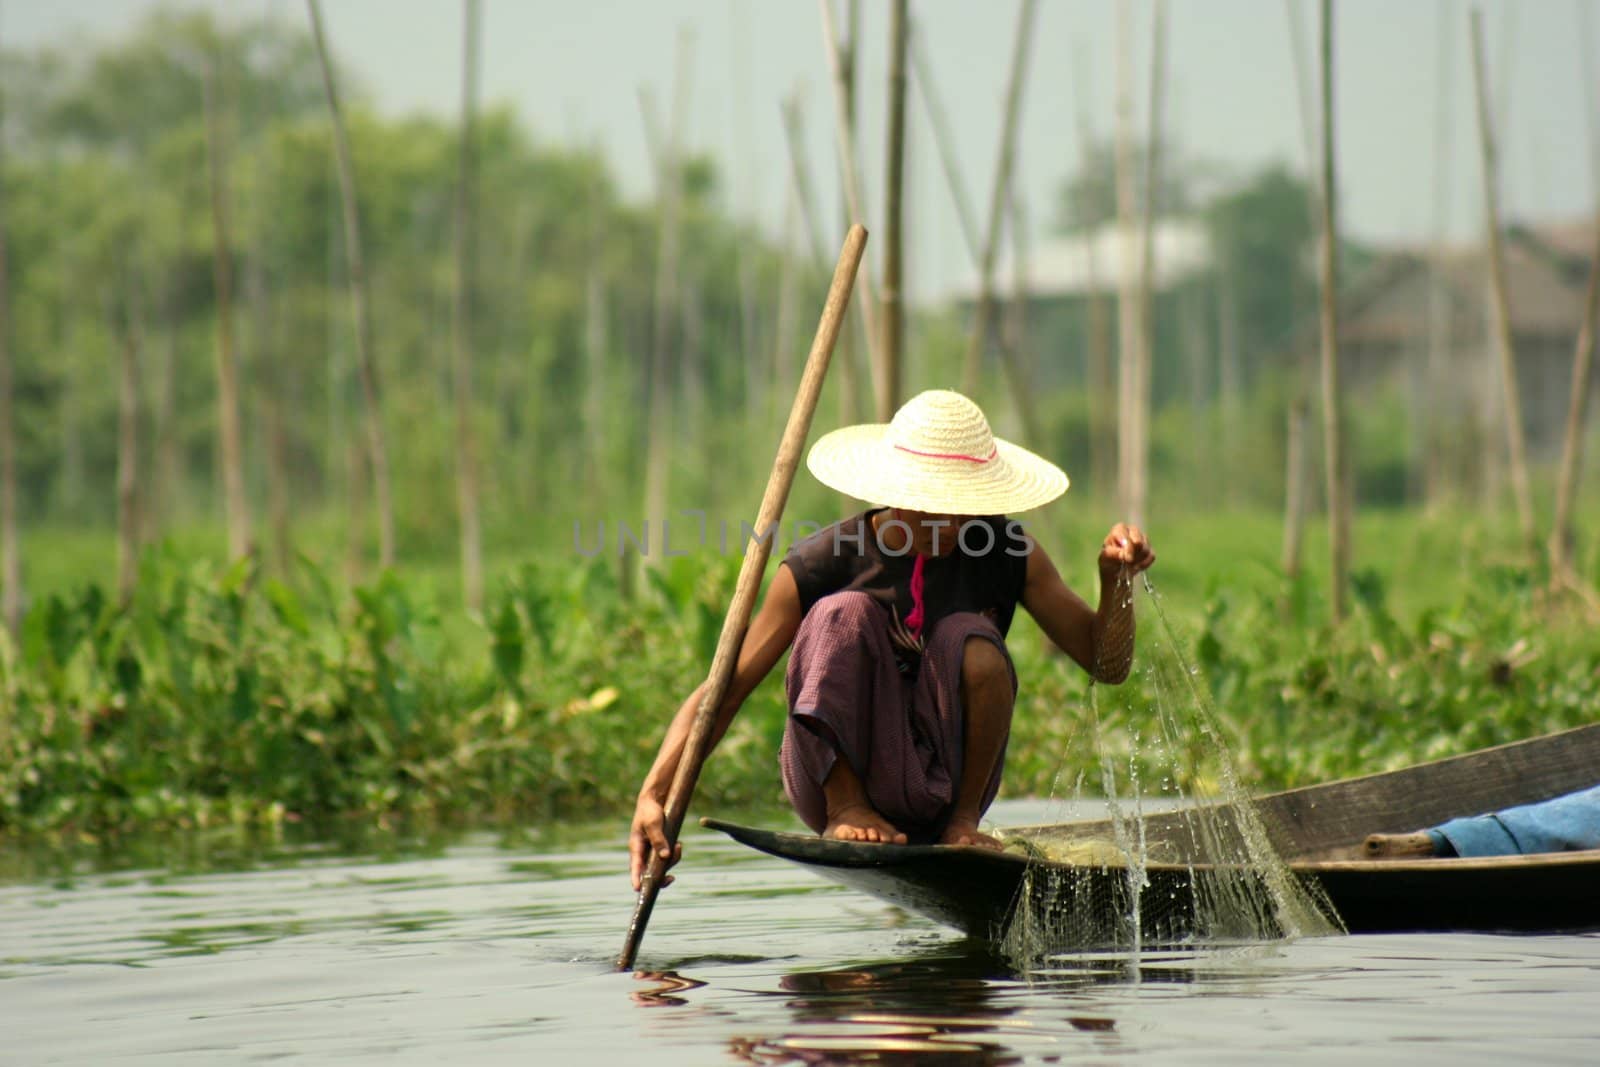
column 1318, row 831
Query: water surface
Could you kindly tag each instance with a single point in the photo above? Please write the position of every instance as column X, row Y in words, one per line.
column 478, row 952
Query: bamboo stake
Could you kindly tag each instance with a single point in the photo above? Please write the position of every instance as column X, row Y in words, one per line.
column 850, row 176
column 1504, row 346
column 1098, row 372
column 750, row 572
column 800, row 176
column 10, row 551
column 1140, row 467
column 1127, row 290
column 461, row 318
column 237, row 504
column 939, row 120
column 665, row 300
column 983, row 313
column 1440, row 340
column 1560, row 544
column 1296, row 476
column 128, row 453
column 356, row 271
column 1333, row 429
column 888, row 397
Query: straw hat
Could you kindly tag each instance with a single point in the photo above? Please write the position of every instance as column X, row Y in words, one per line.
column 937, row 455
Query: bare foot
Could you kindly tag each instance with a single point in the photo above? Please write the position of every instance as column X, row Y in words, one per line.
column 963, row 832
column 861, row 823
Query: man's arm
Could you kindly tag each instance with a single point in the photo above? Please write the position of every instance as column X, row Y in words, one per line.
column 769, row 636
column 1101, row 642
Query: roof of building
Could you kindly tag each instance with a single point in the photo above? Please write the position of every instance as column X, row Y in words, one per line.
column 1077, row 264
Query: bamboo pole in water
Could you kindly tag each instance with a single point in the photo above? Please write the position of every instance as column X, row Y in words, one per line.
column 756, row 554
column 360, row 303
column 1333, row 423
column 893, row 342
column 236, row 502
column 983, row 312
column 1500, row 305
column 461, row 318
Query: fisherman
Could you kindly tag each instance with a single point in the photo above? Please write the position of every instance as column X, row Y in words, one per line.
column 900, row 687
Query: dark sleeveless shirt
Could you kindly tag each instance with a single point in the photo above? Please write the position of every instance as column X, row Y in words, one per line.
column 988, row 579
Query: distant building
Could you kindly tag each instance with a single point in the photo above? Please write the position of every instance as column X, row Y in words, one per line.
column 1422, row 319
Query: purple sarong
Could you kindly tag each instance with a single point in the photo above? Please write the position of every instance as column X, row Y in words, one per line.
column 903, row 734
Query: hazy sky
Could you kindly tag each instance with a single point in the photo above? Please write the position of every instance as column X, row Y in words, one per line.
column 573, row 71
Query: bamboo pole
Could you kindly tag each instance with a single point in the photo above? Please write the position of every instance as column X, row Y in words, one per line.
column 1560, row 544
column 1500, row 305
column 1333, row 424
column 10, row 550
column 665, row 299
column 1296, row 473
column 891, row 349
column 1128, row 499
column 843, row 74
column 237, row 504
column 939, row 120
column 366, row 360
column 1102, row 456
column 128, row 451
column 805, row 201
column 1140, row 466
column 983, row 313
column 754, row 564
column 461, row 317
column 1440, row 339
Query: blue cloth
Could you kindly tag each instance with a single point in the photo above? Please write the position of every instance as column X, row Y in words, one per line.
column 1565, row 824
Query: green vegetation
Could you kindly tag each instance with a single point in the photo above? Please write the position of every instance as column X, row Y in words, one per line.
column 301, row 686
column 229, row 697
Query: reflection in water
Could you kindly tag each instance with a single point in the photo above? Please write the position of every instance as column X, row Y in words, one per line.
column 966, row 1007
column 664, row 994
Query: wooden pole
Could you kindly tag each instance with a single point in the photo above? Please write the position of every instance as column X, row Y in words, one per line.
column 461, row 318
column 1102, row 455
column 939, row 120
column 237, row 504
column 750, row 572
column 127, row 450
column 1333, row 426
column 1127, row 288
column 665, row 300
column 888, row 398
column 1296, row 475
column 1440, row 338
column 1500, row 305
column 1560, row 545
column 10, row 551
column 1140, row 467
column 983, row 313
column 355, row 269
column 850, row 176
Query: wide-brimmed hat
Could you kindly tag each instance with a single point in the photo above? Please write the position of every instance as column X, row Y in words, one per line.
column 937, row 455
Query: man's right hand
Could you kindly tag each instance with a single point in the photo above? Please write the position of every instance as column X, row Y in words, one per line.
column 649, row 838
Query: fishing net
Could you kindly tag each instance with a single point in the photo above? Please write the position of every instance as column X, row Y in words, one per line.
column 1202, row 869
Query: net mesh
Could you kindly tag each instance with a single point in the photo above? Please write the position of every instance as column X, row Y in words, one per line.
column 1203, row 870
